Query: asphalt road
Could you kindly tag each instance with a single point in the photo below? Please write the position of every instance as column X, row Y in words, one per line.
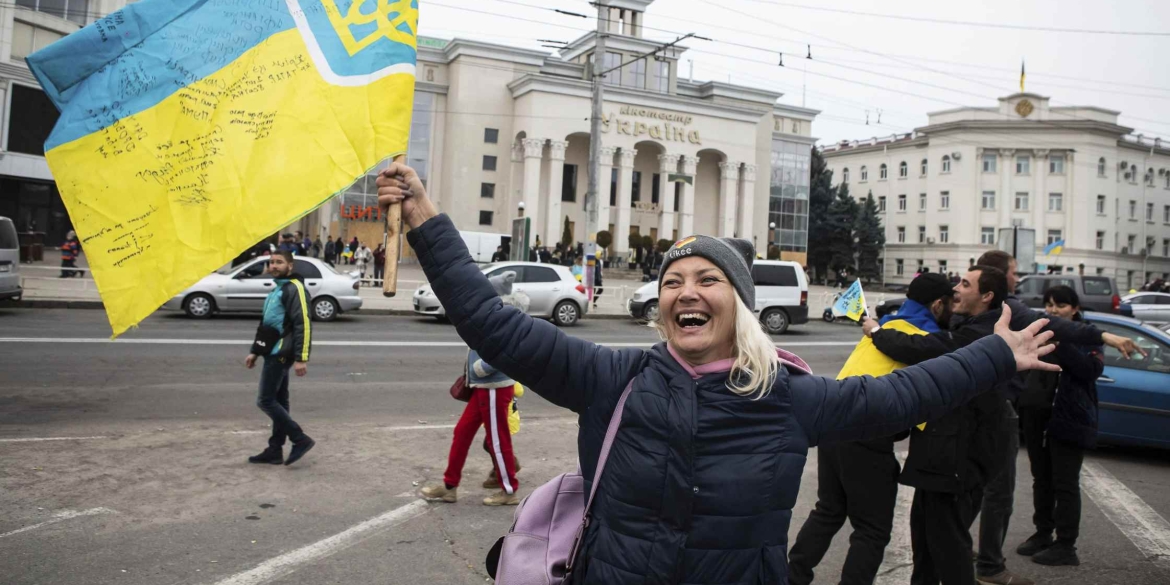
column 124, row 462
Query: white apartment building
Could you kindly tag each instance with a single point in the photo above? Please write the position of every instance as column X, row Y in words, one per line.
column 1070, row 173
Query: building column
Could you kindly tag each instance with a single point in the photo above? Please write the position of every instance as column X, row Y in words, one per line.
column 554, row 226
column 747, row 202
column 1007, row 198
column 533, row 151
column 729, row 179
column 1039, row 173
column 625, row 186
column 667, row 164
column 605, row 172
column 687, row 198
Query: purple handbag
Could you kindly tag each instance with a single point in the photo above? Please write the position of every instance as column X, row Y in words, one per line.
column 542, row 544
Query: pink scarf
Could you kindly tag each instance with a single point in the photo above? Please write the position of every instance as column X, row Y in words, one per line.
column 787, row 359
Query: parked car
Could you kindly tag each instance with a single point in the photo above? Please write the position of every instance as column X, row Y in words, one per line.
column 781, row 296
column 1147, row 306
column 1096, row 293
column 9, row 261
column 889, row 306
column 243, row 288
column 1134, row 394
column 552, row 290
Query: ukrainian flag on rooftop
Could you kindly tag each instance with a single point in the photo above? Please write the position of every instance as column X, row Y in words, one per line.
column 192, row 129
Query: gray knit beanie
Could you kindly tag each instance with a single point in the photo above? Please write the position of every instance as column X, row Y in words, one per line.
column 733, row 256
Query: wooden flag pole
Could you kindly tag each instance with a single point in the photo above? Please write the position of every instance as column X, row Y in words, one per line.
column 393, row 237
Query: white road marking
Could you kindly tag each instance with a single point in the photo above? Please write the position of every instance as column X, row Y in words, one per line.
column 285, row 564
column 898, row 562
column 327, row 343
column 37, row 439
column 1140, row 523
column 59, row 517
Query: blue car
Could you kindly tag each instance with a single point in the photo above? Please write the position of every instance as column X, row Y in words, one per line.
column 1134, row 394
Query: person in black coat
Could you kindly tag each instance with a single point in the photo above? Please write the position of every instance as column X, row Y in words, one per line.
column 706, row 466
column 1059, row 416
column 951, row 458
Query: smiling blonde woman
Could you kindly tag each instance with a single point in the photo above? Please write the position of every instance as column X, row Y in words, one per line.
column 705, row 469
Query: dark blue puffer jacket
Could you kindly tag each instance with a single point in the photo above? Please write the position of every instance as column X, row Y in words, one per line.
column 700, row 483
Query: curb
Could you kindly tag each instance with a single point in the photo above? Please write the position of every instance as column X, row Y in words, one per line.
column 66, row 304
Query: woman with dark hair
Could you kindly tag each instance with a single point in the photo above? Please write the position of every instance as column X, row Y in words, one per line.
column 1058, row 411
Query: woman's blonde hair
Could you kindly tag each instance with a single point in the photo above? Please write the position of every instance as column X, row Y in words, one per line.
column 756, row 363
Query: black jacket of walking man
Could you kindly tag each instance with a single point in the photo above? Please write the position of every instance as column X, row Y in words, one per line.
column 953, row 457
column 283, row 340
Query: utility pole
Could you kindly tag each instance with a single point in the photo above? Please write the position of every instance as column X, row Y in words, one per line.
column 594, row 179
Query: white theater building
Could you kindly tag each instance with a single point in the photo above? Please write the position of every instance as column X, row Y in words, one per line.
column 1070, row 173
column 496, row 126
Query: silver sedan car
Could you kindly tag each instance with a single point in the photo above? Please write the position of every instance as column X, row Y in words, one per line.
column 243, row 288
column 552, row 290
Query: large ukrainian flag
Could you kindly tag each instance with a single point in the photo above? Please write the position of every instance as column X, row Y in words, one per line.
column 191, row 129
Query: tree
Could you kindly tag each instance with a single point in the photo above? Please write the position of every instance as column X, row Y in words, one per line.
column 773, row 252
column 821, row 195
column 567, row 236
column 842, row 216
column 871, row 237
column 664, row 245
column 604, row 239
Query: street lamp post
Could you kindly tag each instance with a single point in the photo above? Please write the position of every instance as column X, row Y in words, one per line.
column 772, row 239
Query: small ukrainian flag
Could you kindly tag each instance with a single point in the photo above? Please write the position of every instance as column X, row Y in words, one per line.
column 1055, row 248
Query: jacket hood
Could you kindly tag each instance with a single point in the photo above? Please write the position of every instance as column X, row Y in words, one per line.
column 916, row 314
column 293, row 276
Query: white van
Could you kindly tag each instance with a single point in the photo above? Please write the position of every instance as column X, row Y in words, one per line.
column 483, row 245
column 781, row 296
column 9, row 261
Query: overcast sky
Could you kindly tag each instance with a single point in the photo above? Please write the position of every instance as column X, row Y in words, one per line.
column 967, row 65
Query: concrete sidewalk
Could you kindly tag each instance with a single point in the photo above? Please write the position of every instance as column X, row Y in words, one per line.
column 42, row 285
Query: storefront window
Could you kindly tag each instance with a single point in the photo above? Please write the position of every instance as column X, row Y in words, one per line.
column 32, row 119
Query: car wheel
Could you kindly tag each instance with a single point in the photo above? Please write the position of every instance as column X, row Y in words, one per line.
column 566, row 314
column 199, row 306
column 650, row 311
column 775, row 321
column 324, row 309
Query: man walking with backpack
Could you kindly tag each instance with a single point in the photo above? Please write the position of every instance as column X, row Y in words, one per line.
column 283, row 340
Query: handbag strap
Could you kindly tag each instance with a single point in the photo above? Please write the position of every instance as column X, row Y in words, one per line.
column 614, row 422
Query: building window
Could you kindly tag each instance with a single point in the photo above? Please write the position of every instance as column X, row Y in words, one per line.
column 903, row 170
column 921, row 234
column 1101, row 167
column 634, row 74
column 1130, row 242
column 942, row 267
column 1150, row 177
column 73, row 10
column 1149, row 249
column 1055, row 202
column 611, row 61
column 944, row 234
column 1100, row 205
column 901, row 235
column 944, row 200
column 1150, row 212
column 485, row 218
column 487, row 190
column 1166, row 247
column 882, row 172
column 28, row 39
column 864, row 174
column 946, row 163
column 660, row 76
column 921, row 264
column 901, row 203
column 1021, row 201
column 489, row 162
column 899, row 267
column 1100, row 240
column 1166, row 214
column 491, row 135
column 989, row 161
column 613, row 179
column 1056, row 164
column 925, row 164
column 845, row 175
column 1168, row 179
column 988, row 201
column 922, row 202
column 1023, row 165
column 37, row 117
column 636, row 188
column 882, row 204
column 1054, row 236
column 569, row 184
column 1132, row 209
column 987, row 236
column 654, row 188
